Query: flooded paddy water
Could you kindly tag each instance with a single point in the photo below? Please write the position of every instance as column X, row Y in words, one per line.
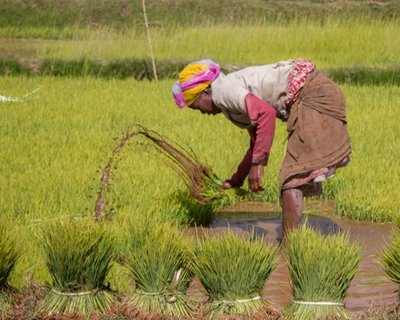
column 370, row 287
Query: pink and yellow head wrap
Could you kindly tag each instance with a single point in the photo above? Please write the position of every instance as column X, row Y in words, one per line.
column 193, row 79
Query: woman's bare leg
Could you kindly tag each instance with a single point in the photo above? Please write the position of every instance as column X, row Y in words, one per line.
column 292, row 210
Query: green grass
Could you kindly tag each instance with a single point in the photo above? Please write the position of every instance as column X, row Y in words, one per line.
column 123, row 14
column 335, row 43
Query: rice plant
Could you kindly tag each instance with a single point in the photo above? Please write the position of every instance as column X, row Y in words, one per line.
column 340, row 43
column 78, row 256
column 233, row 270
column 321, row 269
column 77, row 126
column 185, row 210
column 157, row 260
column 390, row 260
column 203, row 184
column 9, row 254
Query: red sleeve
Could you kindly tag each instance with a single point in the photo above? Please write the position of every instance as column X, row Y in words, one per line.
column 244, row 167
column 263, row 115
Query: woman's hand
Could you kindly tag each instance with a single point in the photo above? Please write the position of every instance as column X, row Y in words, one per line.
column 226, row 185
column 255, row 177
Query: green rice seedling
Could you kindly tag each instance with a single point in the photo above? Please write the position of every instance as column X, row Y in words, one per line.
column 5, row 303
column 71, row 127
column 390, row 260
column 213, row 193
column 233, row 270
column 321, row 269
column 78, row 256
column 9, row 254
column 157, row 260
column 203, row 184
column 185, row 210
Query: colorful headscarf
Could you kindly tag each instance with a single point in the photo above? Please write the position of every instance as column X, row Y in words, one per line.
column 193, row 79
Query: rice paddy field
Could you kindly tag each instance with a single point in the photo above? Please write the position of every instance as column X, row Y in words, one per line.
column 53, row 147
column 54, row 143
column 331, row 44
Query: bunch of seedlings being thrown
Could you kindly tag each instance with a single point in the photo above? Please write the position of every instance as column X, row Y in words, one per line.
column 9, row 254
column 157, row 259
column 321, row 269
column 390, row 261
column 203, row 184
column 78, row 256
column 233, row 270
column 106, row 175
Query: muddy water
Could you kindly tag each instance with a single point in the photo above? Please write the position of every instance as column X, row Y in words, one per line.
column 369, row 287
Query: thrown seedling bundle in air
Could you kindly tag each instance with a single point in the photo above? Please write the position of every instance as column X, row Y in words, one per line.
column 203, row 184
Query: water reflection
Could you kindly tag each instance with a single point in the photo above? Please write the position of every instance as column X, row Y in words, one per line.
column 268, row 225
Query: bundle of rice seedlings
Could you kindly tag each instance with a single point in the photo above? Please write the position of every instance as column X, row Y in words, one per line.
column 78, row 256
column 106, row 174
column 203, row 184
column 321, row 269
column 233, row 270
column 390, row 260
column 9, row 254
column 157, row 260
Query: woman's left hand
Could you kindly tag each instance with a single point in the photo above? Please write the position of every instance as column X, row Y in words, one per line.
column 226, row 185
column 255, row 177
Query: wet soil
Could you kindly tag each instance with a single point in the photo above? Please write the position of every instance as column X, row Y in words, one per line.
column 370, row 286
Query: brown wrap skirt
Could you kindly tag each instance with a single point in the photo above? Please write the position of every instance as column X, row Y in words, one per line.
column 318, row 135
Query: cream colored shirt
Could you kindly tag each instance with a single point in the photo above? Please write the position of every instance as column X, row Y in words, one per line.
column 267, row 82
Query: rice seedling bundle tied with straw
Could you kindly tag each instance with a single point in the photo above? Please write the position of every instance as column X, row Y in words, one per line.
column 78, row 256
column 233, row 270
column 157, row 260
column 321, row 269
column 390, row 261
